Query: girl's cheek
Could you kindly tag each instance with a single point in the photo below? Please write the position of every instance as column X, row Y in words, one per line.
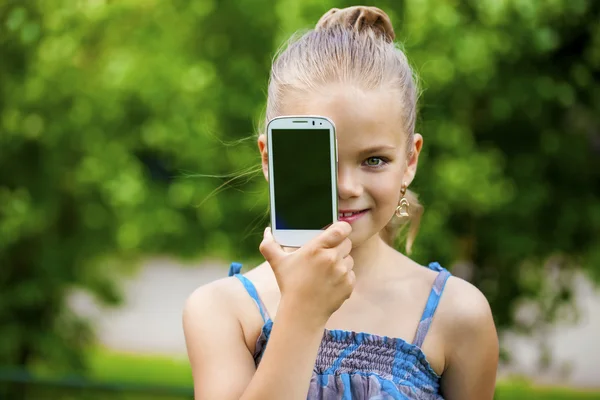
column 385, row 183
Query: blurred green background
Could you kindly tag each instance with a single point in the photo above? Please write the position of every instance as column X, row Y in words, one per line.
column 127, row 132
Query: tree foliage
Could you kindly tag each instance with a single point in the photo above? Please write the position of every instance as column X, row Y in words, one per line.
column 120, row 122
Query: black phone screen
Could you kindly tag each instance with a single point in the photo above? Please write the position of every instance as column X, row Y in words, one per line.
column 302, row 178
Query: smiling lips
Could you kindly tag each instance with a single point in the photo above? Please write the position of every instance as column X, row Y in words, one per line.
column 350, row 215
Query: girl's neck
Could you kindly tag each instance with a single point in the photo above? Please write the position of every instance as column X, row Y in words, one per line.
column 370, row 258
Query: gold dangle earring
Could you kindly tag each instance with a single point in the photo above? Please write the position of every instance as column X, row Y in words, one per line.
column 402, row 209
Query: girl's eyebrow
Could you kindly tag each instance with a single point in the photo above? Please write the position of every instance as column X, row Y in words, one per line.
column 378, row 149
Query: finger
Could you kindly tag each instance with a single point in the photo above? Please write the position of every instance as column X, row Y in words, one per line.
column 351, row 279
column 290, row 249
column 334, row 235
column 270, row 249
column 348, row 263
column 344, row 249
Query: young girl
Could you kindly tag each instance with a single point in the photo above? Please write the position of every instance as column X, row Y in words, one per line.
column 346, row 316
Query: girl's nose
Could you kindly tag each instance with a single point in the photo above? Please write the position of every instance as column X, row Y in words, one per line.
column 348, row 184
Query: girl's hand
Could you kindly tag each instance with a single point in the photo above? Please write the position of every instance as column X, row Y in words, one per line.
column 317, row 278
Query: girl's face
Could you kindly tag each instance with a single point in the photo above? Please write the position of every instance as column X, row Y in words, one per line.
column 372, row 153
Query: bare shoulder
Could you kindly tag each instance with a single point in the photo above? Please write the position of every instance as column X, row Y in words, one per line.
column 215, row 297
column 471, row 345
column 214, row 302
column 224, row 295
column 216, row 340
column 225, row 301
column 464, row 306
column 470, row 342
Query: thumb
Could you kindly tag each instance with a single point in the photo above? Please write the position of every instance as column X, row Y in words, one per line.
column 270, row 249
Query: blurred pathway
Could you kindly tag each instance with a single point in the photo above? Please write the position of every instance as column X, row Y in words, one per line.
column 150, row 322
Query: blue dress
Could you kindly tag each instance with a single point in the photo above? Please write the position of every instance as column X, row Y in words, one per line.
column 352, row 365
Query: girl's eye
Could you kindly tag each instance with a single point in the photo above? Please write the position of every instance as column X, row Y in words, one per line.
column 374, row 162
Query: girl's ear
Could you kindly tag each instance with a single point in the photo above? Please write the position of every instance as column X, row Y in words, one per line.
column 262, row 147
column 413, row 161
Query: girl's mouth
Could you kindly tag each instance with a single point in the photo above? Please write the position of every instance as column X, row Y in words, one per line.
column 350, row 216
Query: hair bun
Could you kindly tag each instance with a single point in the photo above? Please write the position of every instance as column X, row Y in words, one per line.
column 359, row 18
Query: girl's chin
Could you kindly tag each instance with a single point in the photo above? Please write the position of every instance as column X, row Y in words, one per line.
column 359, row 237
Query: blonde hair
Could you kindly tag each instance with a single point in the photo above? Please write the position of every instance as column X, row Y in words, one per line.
column 354, row 46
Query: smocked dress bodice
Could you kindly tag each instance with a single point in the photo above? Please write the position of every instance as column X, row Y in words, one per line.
column 353, row 365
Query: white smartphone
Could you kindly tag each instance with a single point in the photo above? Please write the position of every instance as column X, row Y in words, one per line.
column 302, row 153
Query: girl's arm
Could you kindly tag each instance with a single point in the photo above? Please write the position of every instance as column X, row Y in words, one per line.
column 472, row 347
column 222, row 365
column 314, row 282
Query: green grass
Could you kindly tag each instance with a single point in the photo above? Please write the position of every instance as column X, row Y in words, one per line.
column 522, row 390
column 115, row 375
column 160, row 370
column 154, row 370
column 110, row 366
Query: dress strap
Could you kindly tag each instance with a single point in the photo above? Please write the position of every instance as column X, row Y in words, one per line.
column 432, row 302
column 234, row 270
